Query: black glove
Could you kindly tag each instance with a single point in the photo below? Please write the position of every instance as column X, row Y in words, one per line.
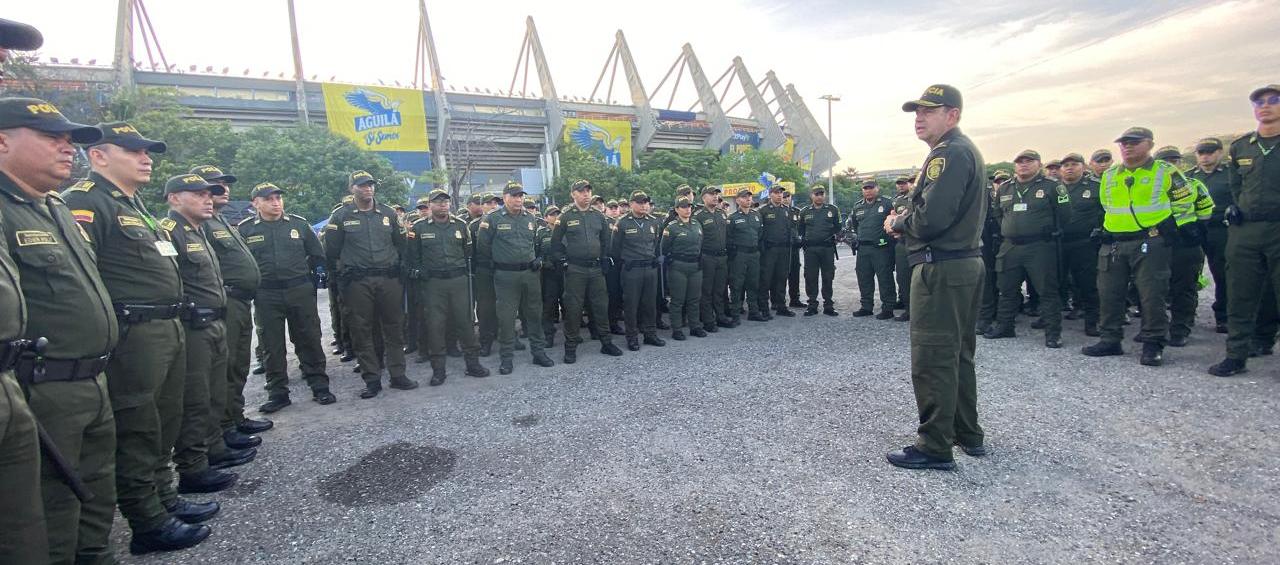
column 1234, row 216
column 536, row 264
column 605, row 264
column 1096, row 235
column 320, row 276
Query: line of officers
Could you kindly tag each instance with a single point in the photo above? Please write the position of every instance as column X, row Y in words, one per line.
column 125, row 337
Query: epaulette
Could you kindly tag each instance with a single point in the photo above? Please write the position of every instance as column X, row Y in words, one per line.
column 57, row 196
column 81, row 186
column 295, row 216
column 168, row 224
column 246, row 220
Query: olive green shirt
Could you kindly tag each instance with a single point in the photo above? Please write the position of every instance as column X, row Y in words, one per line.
column 508, row 238
column 947, row 208
column 364, row 239
column 136, row 259
column 239, row 269
column 66, row 300
column 636, row 238
column 201, row 273
column 744, row 230
column 715, row 229
column 438, row 246
column 1035, row 209
column 867, row 220
column 819, row 224
column 283, row 249
column 682, row 238
column 1218, row 183
column 580, row 235
column 1254, row 166
column 776, row 225
column 1086, row 209
column 13, row 307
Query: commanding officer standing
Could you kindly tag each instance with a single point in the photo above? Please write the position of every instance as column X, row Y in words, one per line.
column 776, row 238
column 1079, row 250
column 1253, row 250
column 943, row 229
column 682, row 246
column 509, row 237
column 902, row 269
column 1186, row 261
column 875, row 252
column 1213, row 174
column 819, row 223
column 66, row 303
column 714, row 261
column 241, row 276
column 743, row 235
column 288, row 254
column 365, row 239
column 1143, row 198
column 635, row 244
column 1031, row 210
column 439, row 246
column 146, row 374
column 581, row 241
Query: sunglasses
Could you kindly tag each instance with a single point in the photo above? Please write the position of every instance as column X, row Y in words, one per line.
column 1273, row 100
column 1131, row 142
column 1102, row 160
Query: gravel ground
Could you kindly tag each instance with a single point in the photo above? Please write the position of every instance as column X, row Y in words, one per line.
column 765, row 444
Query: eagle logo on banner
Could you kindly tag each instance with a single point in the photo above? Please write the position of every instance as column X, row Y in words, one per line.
column 382, row 111
column 597, row 140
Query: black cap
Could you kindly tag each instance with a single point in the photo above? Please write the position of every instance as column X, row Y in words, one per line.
column 818, row 189
column 1027, row 154
column 552, row 210
column 580, row 185
column 476, row 199
column 777, row 187
column 19, row 36
column 39, row 115
column 1168, row 152
column 1209, row 144
column 212, row 173
column 1263, row 90
column 191, row 183
column 684, row 201
column 639, row 196
column 513, row 189
column 1053, row 164
column 438, row 194
column 1135, row 133
column 128, row 137
column 1100, row 154
column 901, row 180
column 358, row 178
column 265, row 189
column 598, row 198
column 1073, row 157
column 934, row 96
column 869, row 183
column 744, row 191
column 711, row 189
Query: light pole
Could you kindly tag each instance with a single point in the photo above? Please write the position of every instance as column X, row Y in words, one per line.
column 831, row 178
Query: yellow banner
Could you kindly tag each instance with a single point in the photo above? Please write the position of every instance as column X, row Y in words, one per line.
column 377, row 118
column 608, row 140
column 731, row 189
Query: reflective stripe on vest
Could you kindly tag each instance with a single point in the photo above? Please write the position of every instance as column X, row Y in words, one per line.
column 1132, row 210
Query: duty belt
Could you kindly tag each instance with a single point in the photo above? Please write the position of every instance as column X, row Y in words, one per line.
column 239, row 293
column 586, row 263
column 1112, row 237
column 640, row 264
column 746, row 249
column 686, row 258
column 445, row 273
column 829, row 243
column 285, row 283
column 769, row 244
column 139, row 313
column 938, row 256
column 1070, row 237
column 357, row 273
column 34, row 369
column 512, row 266
column 720, row 253
column 1029, row 239
column 10, row 351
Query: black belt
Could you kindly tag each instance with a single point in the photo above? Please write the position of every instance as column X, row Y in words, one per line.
column 938, row 256
column 1071, row 237
column 512, row 266
column 10, row 351
column 33, row 369
column 138, row 313
column 746, row 249
column 826, row 243
column 640, row 264
column 239, row 293
column 356, row 274
column 285, row 283
column 445, row 273
column 587, row 263
column 198, row 318
column 1112, row 237
column 482, row 264
column 686, row 258
column 769, row 244
column 1029, row 239
column 720, row 253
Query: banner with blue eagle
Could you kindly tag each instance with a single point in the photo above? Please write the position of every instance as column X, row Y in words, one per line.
column 390, row 121
column 608, row 140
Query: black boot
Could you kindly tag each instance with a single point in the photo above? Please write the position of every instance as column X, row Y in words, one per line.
column 540, row 359
column 862, row 313
column 274, row 404
column 811, row 310
column 654, row 340
column 348, row 356
column 486, row 348
column 999, row 332
column 474, row 368
column 1091, row 329
column 610, row 349
column 786, row 313
column 1053, row 341
column 371, row 390
column 1103, row 349
column 885, row 315
column 698, row 332
column 208, row 480
column 677, row 335
column 830, row 310
column 437, row 372
column 452, row 350
column 251, row 426
column 1228, row 367
column 323, row 397
column 192, row 512
column 172, row 535
column 403, row 383
column 1152, row 354
column 504, row 367
column 616, row 328
column 912, row 458
column 633, row 343
column 570, row 354
column 237, row 440
column 232, row 458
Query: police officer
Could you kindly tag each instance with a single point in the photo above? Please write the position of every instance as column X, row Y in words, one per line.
column 1052, row 170
column 291, row 259
column 743, row 236
column 365, row 239
column 819, row 224
column 1099, row 162
column 580, row 240
column 874, row 249
column 793, row 271
column 1252, row 248
column 714, row 261
column 482, row 281
column 438, row 248
column 146, row 374
column 241, row 277
column 990, row 245
column 1186, row 261
column 552, row 276
column 337, row 310
column 902, row 269
column 1031, row 209
column 1079, row 250
column 509, row 237
column 943, row 231
column 66, row 303
column 634, row 250
column 1211, row 172
column 682, row 247
column 1143, row 198
column 776, row 240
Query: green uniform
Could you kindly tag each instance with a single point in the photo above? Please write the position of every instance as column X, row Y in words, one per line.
column 682, row 246
column 1217, row 181
column 205, row 395
column 743, row 235
column 436, row 257
column 552, row 281
column 486, row 302
column 510, row 240
column 1253, row 250
column 793, row 271
column 902, row 268
column 1186, row 263
column 875, row 253
column 635, row 252
column 580, row 241
column 67, row 304
column 286, row 251
column 366, row 244
column 1031, row 217
column 715, row 265
column 943, row 231
column 146, row 376
column 777, row 236
column 818, row 228
column 990, row 246
column 1079, row 252
column 241, row 276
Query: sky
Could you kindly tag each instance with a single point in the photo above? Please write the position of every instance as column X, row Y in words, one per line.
column 1052, row 76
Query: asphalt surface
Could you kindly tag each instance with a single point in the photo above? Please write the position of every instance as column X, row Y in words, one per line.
column 766, row 444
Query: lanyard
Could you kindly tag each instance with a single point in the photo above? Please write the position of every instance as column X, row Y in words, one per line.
column 141, row 209
column 1265, row 151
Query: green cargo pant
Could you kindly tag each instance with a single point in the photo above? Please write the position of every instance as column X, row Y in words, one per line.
column 486, row 304
column 376, row 302
column 793, row 273
column 639, row 300
column 519, row 293
column 744, row 283
column 1147, row 263
column 77, row 416
column 204, row 400
column 1080, row 258
column 1253, row 261
column 585, row 287
column 944, row 298
column 1035, row 262
column 874, row 263
column 684, row 280
column 239, row 324
column 23, row 540
column 903, row 269
column 775, row 266
column 820, row 267
column 336, row 310
column 715, row 288
column 293, row 308
column 146, row 378
column 447, row 305
column 990, row 288
column 1215, row 251
column 1185, row 266
column 552, row 298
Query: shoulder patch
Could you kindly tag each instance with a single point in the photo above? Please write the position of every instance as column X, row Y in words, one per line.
column 168, row 224
column 297, row 217
column 83, row 216
column 935, row 167
column 245, row 221
column 82, row 186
